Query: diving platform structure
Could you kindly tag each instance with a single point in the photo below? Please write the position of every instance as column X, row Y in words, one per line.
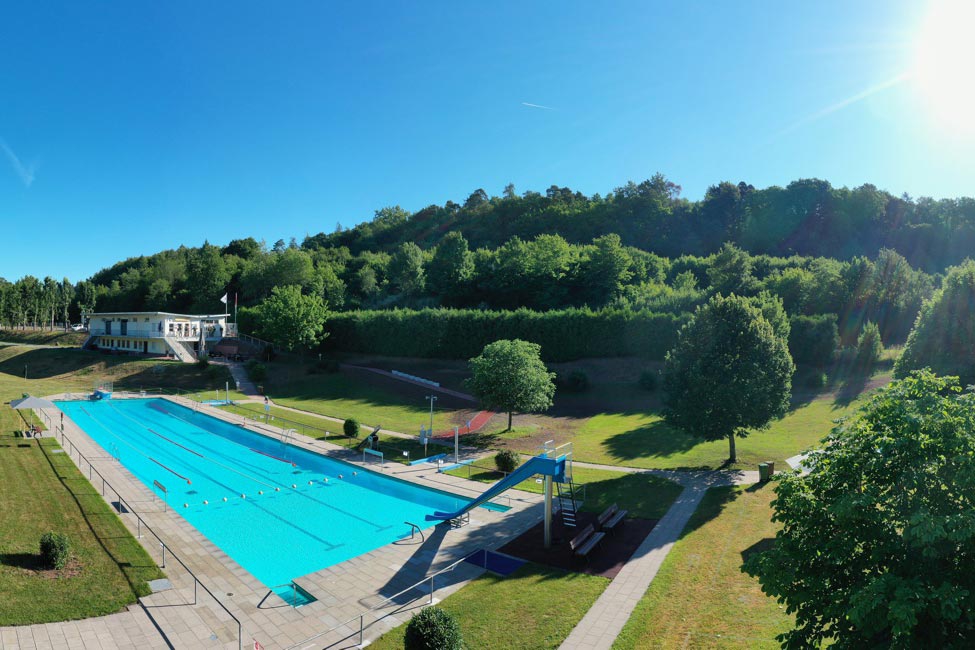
column 555, row 466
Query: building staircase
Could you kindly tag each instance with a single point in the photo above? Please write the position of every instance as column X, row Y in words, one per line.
column 181, row 349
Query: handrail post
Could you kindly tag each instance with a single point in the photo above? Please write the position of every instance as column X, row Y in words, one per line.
column 163, row 554
column 431, row 590
column 361, row 617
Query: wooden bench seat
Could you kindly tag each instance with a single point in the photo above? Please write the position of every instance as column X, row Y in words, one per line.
column 585, row 541
column 611, row 517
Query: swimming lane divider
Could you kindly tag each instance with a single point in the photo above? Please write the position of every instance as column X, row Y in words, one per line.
column 188, row 481
column 175, row 443
column 283, row 460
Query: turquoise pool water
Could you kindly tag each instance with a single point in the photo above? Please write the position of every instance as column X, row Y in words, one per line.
column 238, row 487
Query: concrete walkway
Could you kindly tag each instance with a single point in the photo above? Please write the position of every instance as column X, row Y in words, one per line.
column 604, row 621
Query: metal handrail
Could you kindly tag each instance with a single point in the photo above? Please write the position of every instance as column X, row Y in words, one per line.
column 140, row 523
column 382, row 604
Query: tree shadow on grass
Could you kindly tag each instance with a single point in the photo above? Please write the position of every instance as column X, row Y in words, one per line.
column 762, row 545
column 655, row 440
column 713, row 503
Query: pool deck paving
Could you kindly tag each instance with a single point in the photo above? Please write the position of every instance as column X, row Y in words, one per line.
column 344, row 591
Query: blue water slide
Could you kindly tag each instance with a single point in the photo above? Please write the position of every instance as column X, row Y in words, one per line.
column 554, row 467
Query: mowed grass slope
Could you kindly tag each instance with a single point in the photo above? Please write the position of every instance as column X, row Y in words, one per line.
column 534, row 608
column 700, row 598
column 42, row 491
column 371, row 400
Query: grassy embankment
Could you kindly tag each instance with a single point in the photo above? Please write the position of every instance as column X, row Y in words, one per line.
column 536, row 607
column 614, row 422
column 700, row 598
column 43, row 491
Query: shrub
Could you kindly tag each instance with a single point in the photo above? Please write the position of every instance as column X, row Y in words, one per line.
column 432, row 629
column 811, row 378
column 256, row 370
column 351, row 428
column 328, row 365
column 813, row 339
column 506, row 460
column 869, row 346
column 203, row 363
column 55, row 549
column 648, row 380
column 577, row 382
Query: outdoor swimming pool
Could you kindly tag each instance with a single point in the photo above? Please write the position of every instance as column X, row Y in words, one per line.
column 238, row 487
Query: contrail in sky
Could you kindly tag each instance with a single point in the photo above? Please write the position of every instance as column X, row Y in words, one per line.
column 26, row 173
column 840, row 105
column 547, row 108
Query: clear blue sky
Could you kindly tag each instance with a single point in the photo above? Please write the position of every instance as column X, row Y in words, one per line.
column 128, row 128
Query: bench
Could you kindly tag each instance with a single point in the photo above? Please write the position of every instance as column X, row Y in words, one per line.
column 585, row 541
column 611, row 517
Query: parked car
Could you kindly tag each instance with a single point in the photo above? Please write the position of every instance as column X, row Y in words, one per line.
column 78, row 327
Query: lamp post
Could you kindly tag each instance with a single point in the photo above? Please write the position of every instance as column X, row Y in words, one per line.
column 432, row 398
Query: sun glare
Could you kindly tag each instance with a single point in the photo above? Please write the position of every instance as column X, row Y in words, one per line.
column 944, row 67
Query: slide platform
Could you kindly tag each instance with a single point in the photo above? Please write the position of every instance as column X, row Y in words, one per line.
column 554, row 467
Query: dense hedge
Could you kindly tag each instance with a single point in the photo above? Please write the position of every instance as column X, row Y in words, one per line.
column 564, row 335
column 813, row 339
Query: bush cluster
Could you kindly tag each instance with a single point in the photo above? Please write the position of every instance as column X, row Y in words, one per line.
column 564, row 335
column 813, row 340
column 577, row 381
column 506, row 460
column 55, row 550
column 649, row 380
column 351, row 428
column 432, row 629
column 256, row 370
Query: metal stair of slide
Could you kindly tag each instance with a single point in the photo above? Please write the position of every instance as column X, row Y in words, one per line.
column 569, row 501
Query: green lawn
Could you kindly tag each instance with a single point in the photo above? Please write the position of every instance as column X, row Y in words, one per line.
column 645, row 440
column 536, row 607
column 645, row 496
column 347, row 395
column 43, row 491
column 700, row 598
column 44, row 337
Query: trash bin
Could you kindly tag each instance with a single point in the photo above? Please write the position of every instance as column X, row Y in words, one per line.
column 763, row 473
column 771, row 468
column 260, row 389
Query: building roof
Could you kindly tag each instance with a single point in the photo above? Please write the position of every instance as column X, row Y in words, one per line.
column 154, row 313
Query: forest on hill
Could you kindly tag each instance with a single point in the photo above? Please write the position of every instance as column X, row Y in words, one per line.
column 639, row 257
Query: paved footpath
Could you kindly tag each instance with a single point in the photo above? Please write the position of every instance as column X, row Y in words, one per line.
column 604, row 621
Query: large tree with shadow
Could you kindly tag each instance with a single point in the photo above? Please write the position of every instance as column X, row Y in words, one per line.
column 877, row 541
column 729, row 372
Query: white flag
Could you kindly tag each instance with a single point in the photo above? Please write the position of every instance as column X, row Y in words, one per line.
column 224, row 299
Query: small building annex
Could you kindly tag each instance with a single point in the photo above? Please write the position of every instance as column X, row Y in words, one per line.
column 184, row 336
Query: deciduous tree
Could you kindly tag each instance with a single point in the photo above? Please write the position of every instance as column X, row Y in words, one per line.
column 728, row 373
column 877, row 540
column 292, row 320
column 943, row 337
column 510, row 376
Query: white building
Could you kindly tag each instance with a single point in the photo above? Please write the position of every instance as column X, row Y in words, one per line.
column 185, row 336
